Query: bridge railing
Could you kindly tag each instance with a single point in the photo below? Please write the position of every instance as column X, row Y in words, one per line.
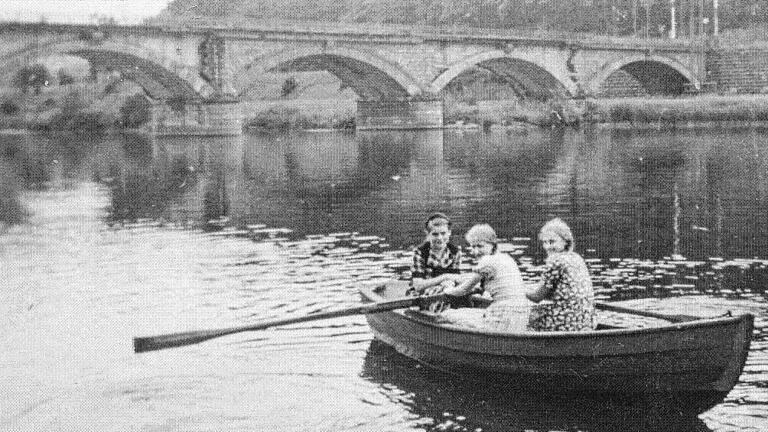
column 197, row 23
column 247, row 27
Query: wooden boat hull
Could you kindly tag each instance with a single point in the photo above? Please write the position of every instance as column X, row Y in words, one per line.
column 701, row 360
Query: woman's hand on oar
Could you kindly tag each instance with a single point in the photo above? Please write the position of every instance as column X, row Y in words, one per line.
column 669, row 317
column 150, row 343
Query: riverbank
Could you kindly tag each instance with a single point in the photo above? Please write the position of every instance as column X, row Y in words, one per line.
column 75, row 109
column 92, row 107
column 690, row 111
column 704, row 108
column 281, row 118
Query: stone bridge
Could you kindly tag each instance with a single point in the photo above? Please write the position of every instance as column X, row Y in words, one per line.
column 397, row 72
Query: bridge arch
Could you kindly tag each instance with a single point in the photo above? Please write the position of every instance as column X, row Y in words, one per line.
column 667, row 75
column 529, row 71
column 370, row 76
column 156, row 74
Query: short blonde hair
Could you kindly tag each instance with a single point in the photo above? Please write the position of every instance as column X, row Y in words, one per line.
column 559, row 227
column 483, row 233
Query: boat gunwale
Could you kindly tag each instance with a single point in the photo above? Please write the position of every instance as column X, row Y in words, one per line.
column 704, row 322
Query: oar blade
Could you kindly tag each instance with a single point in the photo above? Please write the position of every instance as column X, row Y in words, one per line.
column 154, row 343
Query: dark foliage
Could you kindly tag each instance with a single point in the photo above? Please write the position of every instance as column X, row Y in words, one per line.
column 177, row 103
column 35, row 76
column 65, row 78
column 289, row 86
column 78, row 122
column 8, row 107
column 135, row 112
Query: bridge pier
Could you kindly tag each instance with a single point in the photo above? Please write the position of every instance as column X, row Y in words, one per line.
column 196, row 118
column 399, row 114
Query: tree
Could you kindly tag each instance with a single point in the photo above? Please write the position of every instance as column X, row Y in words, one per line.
column 8, row 107
column 64, row 77
column 135, row 112
column 289, row 86
column 177, row 103
column 35, row 76
column 101, row 19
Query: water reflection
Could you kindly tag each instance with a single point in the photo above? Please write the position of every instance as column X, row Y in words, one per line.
column 294, row 223
column 188, row 181
column 451, row 404
column 686, row 194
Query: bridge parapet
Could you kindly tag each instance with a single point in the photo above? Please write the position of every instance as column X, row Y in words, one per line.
column 242, row 27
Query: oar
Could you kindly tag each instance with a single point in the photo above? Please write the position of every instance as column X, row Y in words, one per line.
column 150, row 343
column 669, row 317
column 477, row 299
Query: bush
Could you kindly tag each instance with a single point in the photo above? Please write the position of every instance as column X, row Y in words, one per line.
column 9, row 107
column 177, row 103
column 289, row 86
column 87, row 122
column 347, row 123
column 619, row 113
column 274, row 119
column 79, row 121
column 135, row 112
column 12, row 211
column 72, row 102
column 73, row 117
column 460, row 112
column 281, row 119
column 65, row 78
column 35, row 76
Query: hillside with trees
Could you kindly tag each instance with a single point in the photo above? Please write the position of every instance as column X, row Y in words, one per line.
column 615, row 17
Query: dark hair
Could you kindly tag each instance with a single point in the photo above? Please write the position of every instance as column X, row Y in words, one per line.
column 435, row 216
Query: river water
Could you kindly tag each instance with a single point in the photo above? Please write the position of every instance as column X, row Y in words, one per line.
column 126, row 236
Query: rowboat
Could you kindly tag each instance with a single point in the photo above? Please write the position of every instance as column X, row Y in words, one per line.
column 695, row 363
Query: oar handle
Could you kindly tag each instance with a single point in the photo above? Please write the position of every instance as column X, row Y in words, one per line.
column 150, row 343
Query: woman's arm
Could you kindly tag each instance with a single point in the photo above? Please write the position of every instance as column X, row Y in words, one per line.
column 546, row 287
column 540, row 292
column 466, row 285
column 420, row 284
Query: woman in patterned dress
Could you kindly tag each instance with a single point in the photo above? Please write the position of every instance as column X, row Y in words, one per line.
column 565, row 298
column 497, row 274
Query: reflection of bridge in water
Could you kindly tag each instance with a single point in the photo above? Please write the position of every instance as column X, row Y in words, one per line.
column 397, row 72
column 627, row 196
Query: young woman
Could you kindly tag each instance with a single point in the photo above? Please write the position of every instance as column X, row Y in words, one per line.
column 565, row 298
column 497, row 274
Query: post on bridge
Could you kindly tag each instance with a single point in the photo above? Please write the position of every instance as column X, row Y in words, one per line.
column 215, row 113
